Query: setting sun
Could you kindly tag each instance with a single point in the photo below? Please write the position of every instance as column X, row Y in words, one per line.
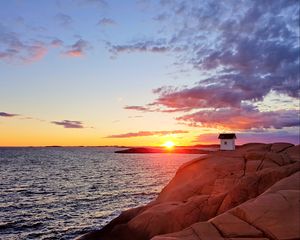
column 169, row 144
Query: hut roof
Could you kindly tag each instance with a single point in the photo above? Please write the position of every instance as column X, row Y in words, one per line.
column 227, row 136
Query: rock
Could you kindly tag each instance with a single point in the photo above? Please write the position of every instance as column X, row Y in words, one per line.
column 211, row 198
column 279, row 147
column 272, row 215
column 232, row 226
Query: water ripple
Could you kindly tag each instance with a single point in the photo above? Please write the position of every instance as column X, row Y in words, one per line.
column 60, row 193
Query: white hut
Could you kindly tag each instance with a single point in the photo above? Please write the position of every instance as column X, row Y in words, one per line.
column 227, row 141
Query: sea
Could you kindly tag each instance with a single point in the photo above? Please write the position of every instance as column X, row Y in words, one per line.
column 64, row 192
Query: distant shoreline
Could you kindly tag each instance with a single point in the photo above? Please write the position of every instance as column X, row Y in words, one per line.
column 175, row 150
column 115, row 146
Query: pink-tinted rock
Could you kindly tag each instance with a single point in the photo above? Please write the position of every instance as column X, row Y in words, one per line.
column 292, row 153
column 279, row 147
column 198, row 231
column 277, row 211
column 231, row 226
column 272, row 215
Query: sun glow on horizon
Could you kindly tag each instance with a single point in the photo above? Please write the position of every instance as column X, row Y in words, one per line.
column 169, row 145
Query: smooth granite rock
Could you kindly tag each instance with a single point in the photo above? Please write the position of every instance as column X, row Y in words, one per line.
column 275, row 214
column 249, row 193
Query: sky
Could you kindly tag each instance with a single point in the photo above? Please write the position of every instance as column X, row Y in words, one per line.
column 142, row 72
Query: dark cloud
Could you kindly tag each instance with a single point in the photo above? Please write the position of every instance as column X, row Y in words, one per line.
column 69, row 124
column 243, row 50
column 64, row 19
column 5, row 114
column 77, row 49
column 106, row 22
column 146, row 134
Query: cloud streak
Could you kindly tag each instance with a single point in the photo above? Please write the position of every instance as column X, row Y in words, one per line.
column 105, row 22
column 146, row 134
column 149, row 46
column 5, row 114
column 69, row 124
column 137, row 108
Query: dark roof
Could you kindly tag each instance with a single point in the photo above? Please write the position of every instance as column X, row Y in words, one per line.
column 227, row 136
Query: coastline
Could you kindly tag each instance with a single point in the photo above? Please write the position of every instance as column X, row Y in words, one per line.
column 213, row 187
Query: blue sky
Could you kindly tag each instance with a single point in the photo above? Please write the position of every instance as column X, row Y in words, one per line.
column 76, row 72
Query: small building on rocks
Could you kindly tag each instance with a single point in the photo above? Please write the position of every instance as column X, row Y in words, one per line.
column 227, row 141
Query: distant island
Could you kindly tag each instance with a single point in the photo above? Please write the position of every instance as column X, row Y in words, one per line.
column 177, row 150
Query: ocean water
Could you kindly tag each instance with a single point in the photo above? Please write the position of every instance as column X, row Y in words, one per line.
column 61, row 193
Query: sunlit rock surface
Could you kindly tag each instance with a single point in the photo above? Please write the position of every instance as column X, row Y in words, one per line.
column 252, row 192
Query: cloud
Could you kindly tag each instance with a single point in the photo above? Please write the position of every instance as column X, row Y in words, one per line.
column 69, row 124
column 148, row 46
column 244, row 118
column 146, row 134
column 4, row 114
column 15, row 49
column 138, row 108
column 150, row 108
column 64, row 19
column 56, row 42
column 106, row 22
column 242, row 51
column 77, row 49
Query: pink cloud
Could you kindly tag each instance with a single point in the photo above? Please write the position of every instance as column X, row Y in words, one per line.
column 242, row 119
column 78, row 49
column 36, row 52
column 15, row 49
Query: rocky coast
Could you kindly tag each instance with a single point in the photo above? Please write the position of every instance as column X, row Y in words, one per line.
column 250, row 193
